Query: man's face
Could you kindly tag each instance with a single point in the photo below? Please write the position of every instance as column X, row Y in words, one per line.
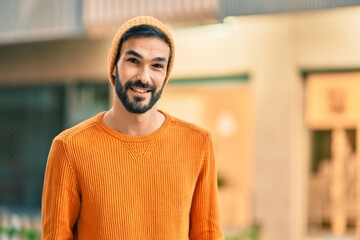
column 140, row 72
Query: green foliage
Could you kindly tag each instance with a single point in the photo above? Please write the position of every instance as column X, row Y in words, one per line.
column 24, row 234
column 250, row 234
column 220, row 181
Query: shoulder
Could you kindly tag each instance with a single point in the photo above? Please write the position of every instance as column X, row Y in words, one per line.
column 188, row 128
column 78, row 130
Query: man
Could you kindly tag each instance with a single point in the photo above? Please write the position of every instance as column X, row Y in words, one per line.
column 133, row 172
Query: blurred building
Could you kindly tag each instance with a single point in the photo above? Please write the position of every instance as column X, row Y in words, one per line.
column 276, row 83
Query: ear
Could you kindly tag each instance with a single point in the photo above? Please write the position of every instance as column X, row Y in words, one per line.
column 114, row 71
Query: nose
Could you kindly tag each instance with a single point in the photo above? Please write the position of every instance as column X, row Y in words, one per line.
column 144, row 75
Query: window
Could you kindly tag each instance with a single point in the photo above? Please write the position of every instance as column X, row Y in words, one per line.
column 30, row 118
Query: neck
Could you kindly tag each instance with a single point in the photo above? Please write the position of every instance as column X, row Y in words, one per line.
column 119, row 119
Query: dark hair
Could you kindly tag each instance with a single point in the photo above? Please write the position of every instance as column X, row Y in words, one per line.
column 142, row 30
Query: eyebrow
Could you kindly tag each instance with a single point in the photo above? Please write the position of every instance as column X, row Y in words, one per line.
column 138, row 55
column 160, row 59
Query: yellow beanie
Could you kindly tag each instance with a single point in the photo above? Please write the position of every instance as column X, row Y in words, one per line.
column 114, row 48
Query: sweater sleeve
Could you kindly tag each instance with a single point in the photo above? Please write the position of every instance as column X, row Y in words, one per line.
column 204, row 216
column 61, row 198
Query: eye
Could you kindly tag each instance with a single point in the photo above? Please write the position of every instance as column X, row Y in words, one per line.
column 158, row 65
column 133, row 60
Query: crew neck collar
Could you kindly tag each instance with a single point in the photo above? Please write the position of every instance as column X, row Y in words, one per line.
column 130, row 138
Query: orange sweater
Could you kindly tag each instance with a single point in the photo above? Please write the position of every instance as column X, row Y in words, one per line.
column 101, row 184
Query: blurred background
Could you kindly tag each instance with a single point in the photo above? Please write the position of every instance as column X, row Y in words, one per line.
column 277, row 83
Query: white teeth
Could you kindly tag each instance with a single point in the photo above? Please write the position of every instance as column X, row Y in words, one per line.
column 140, row 90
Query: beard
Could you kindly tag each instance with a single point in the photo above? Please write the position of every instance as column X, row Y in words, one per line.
column 136, row 105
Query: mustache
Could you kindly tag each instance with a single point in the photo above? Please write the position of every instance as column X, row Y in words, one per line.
column 140, row 84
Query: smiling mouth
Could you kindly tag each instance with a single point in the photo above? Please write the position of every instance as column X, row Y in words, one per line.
column 140, row 90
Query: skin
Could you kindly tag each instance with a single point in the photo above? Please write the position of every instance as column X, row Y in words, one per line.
column 142, row 59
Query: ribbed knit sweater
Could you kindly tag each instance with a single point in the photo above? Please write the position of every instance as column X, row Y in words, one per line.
column 102, row 184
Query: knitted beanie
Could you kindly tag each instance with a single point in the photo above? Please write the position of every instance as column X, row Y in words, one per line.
column 140, row 20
